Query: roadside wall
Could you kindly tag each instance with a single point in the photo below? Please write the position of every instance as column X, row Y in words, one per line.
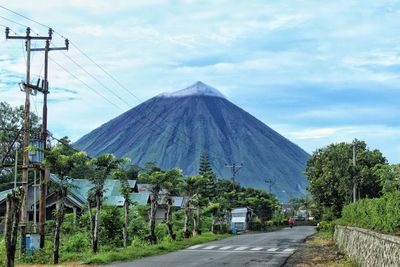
column 368, row 248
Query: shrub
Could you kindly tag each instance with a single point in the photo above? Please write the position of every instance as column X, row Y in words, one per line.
column 269, row 223
column 326, row 226
column 255, row 225
column 79, row 242
column 380, row 214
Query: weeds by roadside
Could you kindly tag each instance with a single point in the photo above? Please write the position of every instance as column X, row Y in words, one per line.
column 320, row 250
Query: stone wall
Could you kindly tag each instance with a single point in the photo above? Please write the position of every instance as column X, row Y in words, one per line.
column 368, row 248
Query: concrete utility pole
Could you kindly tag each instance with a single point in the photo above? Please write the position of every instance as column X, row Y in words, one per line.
column 43, row 172
column 270, row 182
column 235, row 169
column 354, row 172
column 25, row 161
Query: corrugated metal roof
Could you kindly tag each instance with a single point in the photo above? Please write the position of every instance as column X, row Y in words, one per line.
column 140, row 198
column 112, row 195
column 3, row 194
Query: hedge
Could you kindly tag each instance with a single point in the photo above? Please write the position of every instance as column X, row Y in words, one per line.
column 379, row 214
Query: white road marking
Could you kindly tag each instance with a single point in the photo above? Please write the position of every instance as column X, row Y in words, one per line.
column 289, row 250
column 225, row 248
column 194, row 247
column 272, row 249
column 232, row 251
column 257, row 249
column 210, row 247
column 241, row 248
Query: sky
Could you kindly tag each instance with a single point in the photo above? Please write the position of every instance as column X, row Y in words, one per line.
column 316, row 71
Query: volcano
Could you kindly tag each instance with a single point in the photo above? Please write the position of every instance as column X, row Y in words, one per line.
column 174, row 129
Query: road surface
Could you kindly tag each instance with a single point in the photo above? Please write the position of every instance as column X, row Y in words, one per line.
column 260, row 249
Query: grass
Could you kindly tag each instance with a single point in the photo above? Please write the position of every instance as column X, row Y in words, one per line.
column 109, row 254
column 132, row 253
column 320, row 250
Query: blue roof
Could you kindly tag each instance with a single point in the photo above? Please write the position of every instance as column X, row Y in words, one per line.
column 3, row 194
column 112, row 195
column 140, row 198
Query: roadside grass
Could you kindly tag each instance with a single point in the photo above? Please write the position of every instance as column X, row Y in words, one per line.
column 139, row 251
column 320, row 250
column 108, row 254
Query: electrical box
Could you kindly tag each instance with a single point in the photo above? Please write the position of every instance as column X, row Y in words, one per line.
column 36, row 157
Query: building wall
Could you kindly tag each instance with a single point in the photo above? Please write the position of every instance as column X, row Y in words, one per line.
column 368, row 248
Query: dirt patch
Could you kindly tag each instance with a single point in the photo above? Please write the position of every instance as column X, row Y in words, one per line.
column 319, row 250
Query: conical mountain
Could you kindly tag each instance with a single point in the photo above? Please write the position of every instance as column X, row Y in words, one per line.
column 174, row 129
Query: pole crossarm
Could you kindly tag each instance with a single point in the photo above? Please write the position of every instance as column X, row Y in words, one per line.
column 28, row 35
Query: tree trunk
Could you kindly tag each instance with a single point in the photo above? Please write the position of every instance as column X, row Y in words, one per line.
column 95, row 243
column 91, row 222
column 169, row 220
column 126, row 222
column 213, row 221
column 196, row 223
column 152, row 239
column 57, row 230
column 13, row 212
column 186, row 233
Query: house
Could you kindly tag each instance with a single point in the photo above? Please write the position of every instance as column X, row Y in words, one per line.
column 76, row 199
column 178, row 202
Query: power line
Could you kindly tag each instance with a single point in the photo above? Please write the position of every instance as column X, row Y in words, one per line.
column 84, row 83
column 16, row 13
column 97, row 80
column 13, row 21
column 77, row 48
column 100, row 67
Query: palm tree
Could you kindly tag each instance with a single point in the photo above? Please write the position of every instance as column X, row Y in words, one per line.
column 157, row 179
column 62, row 162
column 13, row 212
column 125, row 190
column 99, row 169
column 194, row 188
column 171, row 184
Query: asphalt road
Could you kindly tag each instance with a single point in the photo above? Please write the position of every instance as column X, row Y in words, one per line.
column 260, row 249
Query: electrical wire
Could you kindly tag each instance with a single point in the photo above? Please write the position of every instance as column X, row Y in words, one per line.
column 90, row 59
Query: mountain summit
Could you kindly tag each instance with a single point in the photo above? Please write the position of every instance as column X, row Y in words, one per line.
column 197, row 89
column 174, row 129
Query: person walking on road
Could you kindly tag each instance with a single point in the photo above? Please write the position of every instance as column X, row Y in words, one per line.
column 291, row 221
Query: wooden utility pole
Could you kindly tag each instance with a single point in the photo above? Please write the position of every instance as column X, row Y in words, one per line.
column 43, row 171
column 25, row 161
column 270, row 182
column 235, row 169
column 354, row 172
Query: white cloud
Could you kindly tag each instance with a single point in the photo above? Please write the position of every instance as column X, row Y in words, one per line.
column 250, row 46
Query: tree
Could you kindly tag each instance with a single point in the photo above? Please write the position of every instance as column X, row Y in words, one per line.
column 331, row 174
column 389, row 177
column 61, row 162
column 157, row 179
column 262, row 203
column 194, row 188
column 11, row 139
column 125, row 190
column 98, row 170
column 205, row 168
column 13, row 212
column 171, row 184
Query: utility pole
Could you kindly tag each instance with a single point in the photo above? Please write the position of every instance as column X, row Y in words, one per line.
column 354, row 172
column 270, row 182
column 16, row 169
column 25, row 161
column 235, row 169
column 43, row 172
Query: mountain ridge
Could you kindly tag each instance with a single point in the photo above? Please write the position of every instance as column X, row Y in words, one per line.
column 174, row 131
